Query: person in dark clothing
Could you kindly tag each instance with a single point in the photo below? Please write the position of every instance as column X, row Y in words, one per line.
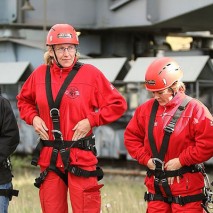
column 9, row 139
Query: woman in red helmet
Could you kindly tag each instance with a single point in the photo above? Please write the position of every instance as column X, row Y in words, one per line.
column 64, row 99
column 171, row 134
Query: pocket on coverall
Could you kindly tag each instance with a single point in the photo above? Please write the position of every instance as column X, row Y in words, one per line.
column 92, row 199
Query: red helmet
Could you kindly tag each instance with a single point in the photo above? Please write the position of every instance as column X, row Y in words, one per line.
column 62, row 34
column 162, row 73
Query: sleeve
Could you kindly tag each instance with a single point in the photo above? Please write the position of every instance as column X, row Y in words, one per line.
column 134, row 136
column 108, row 103
column 9, row 132
column 26, row 100
column 202, row 130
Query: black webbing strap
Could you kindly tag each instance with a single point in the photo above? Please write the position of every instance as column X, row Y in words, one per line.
column 180, row 172
column 71, row 75
column 181, row 200
column 55, row 105
column 54, row 111
column 77, row 171
column 160, row 175
column 170, row 127
column 150, row 128
column 87, row 143
column 9, row 193
column 58, row 137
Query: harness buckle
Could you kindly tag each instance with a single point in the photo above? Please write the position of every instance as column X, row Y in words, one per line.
column 169, row 200
column 57, row 134
column 76, row 171
column 40, row 179
column 170, row 128
column 55, row 114
column 179, row 200
column 158, row 162
column 91, row 146
column 83, row 144
column 149, row 196
column 164, row 180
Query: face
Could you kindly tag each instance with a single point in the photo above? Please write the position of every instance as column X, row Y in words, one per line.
column 163, row 96
column 65, row 54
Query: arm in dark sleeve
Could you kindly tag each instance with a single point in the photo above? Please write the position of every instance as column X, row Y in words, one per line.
column 9, row 132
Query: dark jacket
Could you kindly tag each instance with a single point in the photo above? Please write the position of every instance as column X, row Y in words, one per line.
column 9, row 138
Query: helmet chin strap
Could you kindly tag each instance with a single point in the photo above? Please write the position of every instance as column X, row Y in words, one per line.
column 173, row 93
column 56, row 59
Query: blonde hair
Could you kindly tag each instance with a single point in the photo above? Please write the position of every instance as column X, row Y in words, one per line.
column 178, row 86
column 48, row 60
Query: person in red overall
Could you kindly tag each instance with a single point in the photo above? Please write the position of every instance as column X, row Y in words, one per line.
column 174, row 179
column 88, row 101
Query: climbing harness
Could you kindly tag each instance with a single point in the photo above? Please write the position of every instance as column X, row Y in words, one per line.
column 161, row 175
column 59, row 145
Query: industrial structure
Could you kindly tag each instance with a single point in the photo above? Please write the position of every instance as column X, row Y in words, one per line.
column 120, row 37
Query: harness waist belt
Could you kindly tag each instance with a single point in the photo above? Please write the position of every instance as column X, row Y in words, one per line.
column 174, row 199
column 87, row 143
column 179, row 172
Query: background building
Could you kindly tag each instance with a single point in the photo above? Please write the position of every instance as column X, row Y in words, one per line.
column 120, row 37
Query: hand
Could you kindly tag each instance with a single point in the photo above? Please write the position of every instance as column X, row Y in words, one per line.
column 40, row 128
column 171, row 165
column 81, row 129
column 150, row 164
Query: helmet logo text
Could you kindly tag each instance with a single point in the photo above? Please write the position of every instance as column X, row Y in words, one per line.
column 64, row 35
column 150, row 82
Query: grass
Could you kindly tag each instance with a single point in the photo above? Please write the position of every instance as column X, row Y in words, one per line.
column 123, row 194
column 119, row 194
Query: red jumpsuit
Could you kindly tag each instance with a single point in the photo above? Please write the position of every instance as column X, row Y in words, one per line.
column 90, row 95
column 191, row 142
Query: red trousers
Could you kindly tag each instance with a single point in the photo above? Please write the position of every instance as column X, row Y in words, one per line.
column 162, row 207
column 190, row 184
column 85, row 196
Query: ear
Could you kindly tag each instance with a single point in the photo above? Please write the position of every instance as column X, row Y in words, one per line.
column 51, row 53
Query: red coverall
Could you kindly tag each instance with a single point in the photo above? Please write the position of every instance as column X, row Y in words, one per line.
column 191, row 142
column 90, row 95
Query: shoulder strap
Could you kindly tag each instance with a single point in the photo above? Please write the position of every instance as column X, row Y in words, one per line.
column 168, row 129
column 55, row 105
column 171, row 126
column 67, row 81
column 151, row 126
